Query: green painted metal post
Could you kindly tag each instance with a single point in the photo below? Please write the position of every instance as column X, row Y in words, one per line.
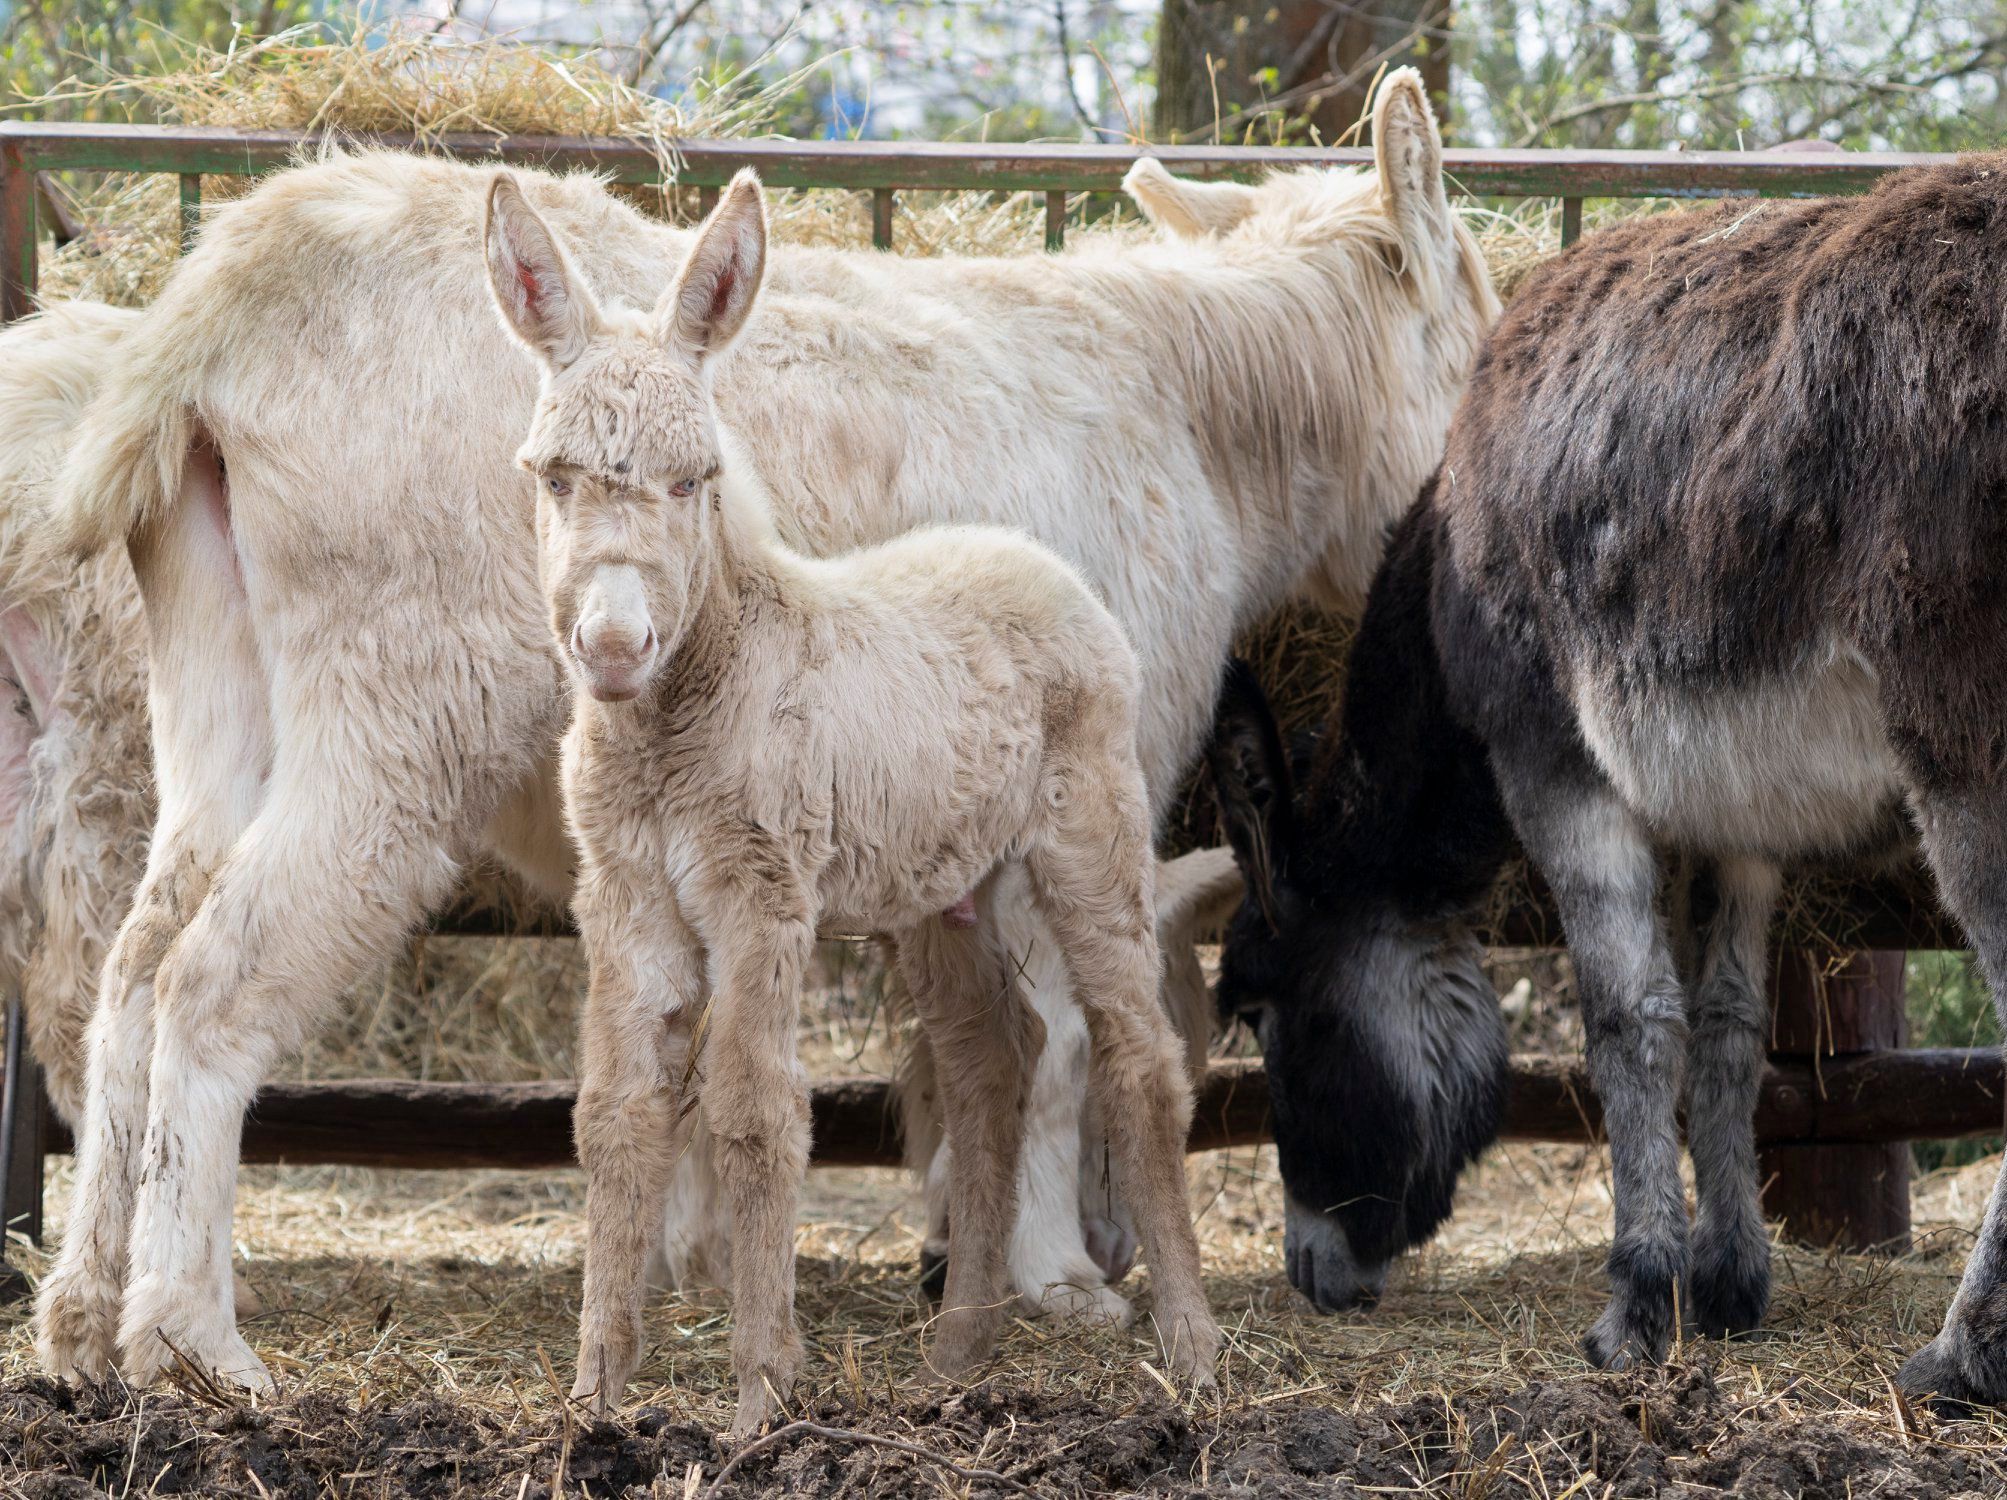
column 191, row 209
column 17, row 232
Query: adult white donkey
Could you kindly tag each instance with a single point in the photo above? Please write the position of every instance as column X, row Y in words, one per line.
column 308, row 445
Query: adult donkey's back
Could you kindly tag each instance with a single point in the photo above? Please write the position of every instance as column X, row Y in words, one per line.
column 309, row 445
column 1713, row 577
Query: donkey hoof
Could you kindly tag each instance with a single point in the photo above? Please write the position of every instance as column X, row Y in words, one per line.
column 1112, row 1245
column 1954, row 1376
column 1728, row 1291
column 76, row 1327
column 1086, row 1304
column 1618, row 1345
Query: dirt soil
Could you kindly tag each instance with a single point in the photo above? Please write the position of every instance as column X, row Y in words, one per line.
column 421, row 1327
column 1668, row 1433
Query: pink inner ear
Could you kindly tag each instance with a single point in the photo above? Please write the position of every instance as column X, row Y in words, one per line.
column 721, row 293
column 532, row 289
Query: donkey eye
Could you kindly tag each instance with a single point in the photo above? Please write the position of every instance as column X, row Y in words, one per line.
column 558, row 487
column 682, row 489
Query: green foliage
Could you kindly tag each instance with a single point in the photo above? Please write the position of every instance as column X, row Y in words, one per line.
column 45, row 44
column 1924, row 75
column 1949, row 1006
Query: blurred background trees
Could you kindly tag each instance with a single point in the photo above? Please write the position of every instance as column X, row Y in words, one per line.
column 1909, row 74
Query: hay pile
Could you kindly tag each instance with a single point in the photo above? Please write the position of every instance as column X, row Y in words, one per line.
column 421, row 1321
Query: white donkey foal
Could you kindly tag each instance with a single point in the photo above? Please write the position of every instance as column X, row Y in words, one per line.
column 761, row 742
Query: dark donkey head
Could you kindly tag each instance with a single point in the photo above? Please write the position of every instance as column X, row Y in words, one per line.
column 1352, row 956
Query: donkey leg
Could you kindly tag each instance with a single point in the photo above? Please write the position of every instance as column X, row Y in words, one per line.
column 1728, row 1289
column 1600, row 865
column 646, row 990
column 756, row 1100
column 249, row 978
column 1051, row 1265
column 1092, row 879
column 1965, row 840
column 210, row 728
column 77, row 1309
column 984, row 1039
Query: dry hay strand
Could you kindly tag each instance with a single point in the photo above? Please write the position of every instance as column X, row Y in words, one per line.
column 424, row 1324
column 396, row 78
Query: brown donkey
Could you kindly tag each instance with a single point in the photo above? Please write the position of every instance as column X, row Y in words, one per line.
column 1714, row 578
column 762, row 742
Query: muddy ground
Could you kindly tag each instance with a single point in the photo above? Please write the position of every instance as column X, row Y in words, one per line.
column 421, row 1323
column 1671, row 1433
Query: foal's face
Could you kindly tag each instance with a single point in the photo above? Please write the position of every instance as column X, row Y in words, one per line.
column 624, row 443
column 626, row 466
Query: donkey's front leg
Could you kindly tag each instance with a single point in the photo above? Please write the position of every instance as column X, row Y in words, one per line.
column 1729, row 1011
column 646, row 991
column 756, row 1101
column 1600, row 864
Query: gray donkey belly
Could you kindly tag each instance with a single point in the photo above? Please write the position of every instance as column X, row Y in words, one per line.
column 1789, row 764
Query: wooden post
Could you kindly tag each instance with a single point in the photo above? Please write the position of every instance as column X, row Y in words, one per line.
column 17, row 233
column 881, row 218
column 1850, row 1194
column 21, row 1143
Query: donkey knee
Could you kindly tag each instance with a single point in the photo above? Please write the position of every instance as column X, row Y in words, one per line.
column 760, row 1123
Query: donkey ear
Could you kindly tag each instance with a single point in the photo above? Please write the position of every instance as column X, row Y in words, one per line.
column 1409, row 152
column 1188, row 210
column 705, row 309
column 1196, row 893
column 1251, row 779
column 541, row 298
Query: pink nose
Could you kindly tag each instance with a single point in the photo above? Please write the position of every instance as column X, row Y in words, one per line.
column 614, row 663
column 611, row 646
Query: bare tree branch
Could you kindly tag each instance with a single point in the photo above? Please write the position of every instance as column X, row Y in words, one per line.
column 662, row 29
column 1066, row 66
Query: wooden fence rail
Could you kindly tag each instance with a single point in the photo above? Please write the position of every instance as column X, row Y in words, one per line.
column 1829, row 1103
column 1871, row 1098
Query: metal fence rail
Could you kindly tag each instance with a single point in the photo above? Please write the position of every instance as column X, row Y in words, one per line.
column 1839, row 1100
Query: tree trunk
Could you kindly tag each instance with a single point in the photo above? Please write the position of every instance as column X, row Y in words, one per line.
column 1219, row 62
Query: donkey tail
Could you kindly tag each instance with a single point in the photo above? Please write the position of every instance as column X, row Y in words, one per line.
column 124, row 466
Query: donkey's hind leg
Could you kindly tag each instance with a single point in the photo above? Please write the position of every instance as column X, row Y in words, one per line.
column 211, row 744
column 1600, row 864
column 250, row 977
column 985, row 1041
column 1092, row 878
column 1965, row 840
column 1728, row 1012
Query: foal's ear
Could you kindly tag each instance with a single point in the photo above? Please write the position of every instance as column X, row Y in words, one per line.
column 1251, row 779
column 541, row 298
column 1188, row 210
column 705, row 309
column 1408, row 150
